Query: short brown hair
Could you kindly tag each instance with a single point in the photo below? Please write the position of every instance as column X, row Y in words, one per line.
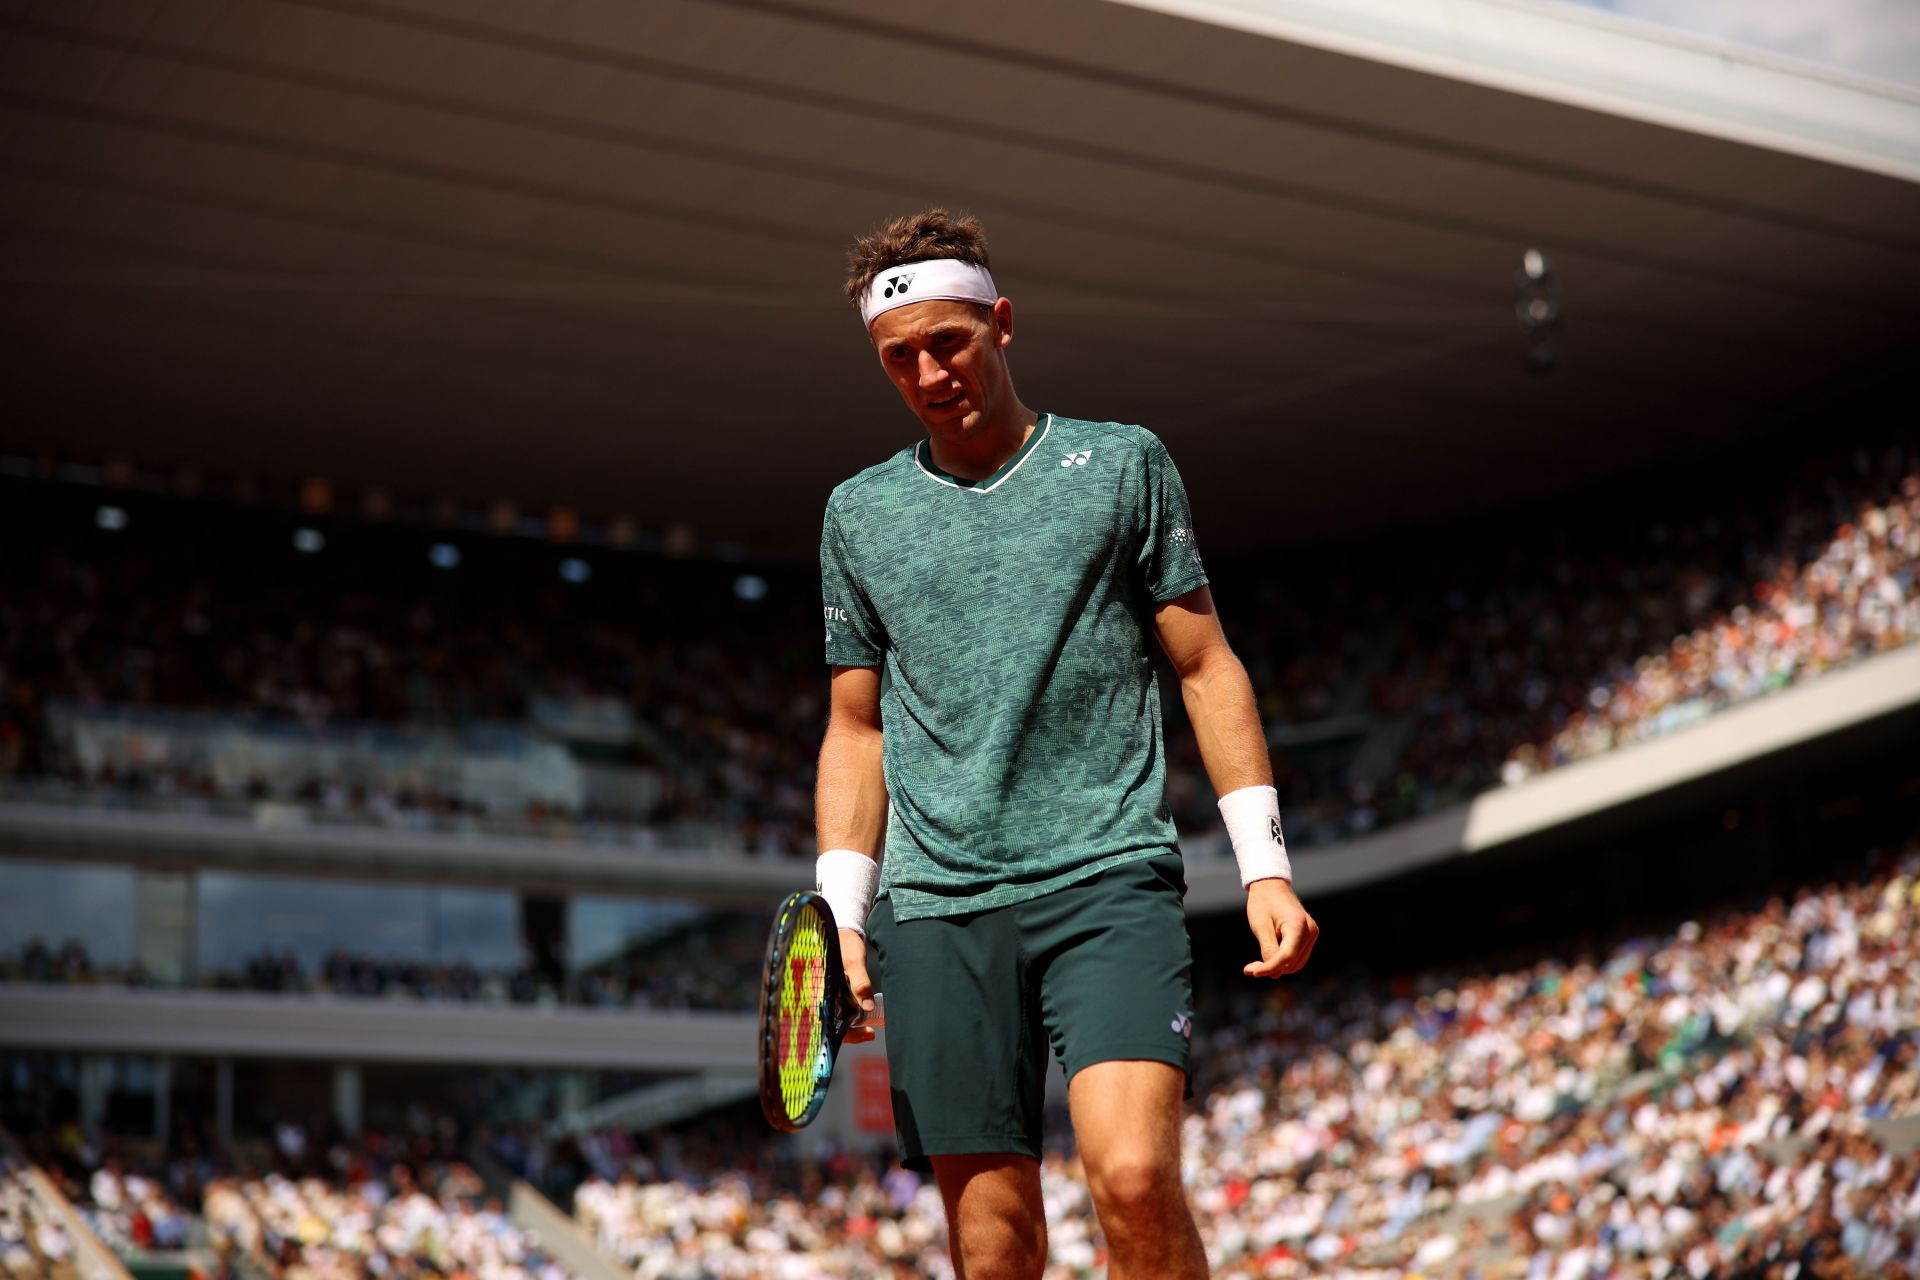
column 931, row 233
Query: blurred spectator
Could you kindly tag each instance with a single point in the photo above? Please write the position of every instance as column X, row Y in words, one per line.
column 1695, row 1101
column 713, row 963
column 1691, row 1104
column 1393, row 679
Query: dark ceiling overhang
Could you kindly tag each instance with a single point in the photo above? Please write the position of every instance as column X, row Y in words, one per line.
column 590, row 253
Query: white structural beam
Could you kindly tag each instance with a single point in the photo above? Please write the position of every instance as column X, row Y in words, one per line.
column 40, row 830
column 1839, row 700
column 1601, row 62
column 213, row 1024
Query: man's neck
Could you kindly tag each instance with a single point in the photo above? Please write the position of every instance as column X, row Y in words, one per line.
column 987, row 447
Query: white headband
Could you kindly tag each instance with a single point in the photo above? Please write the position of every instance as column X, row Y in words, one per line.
column 927, row 281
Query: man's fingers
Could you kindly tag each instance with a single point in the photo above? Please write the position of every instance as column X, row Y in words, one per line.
column 853, row 959
column 1286, row 940
column 1297, row 939
column 1309, row 934
column 1264, row 934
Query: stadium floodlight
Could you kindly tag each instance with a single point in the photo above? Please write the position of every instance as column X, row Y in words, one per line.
column 575, row 570
column 750, row 586
column 112, row 519
column 443, row 555
column 1536, row 305
column 308, row 541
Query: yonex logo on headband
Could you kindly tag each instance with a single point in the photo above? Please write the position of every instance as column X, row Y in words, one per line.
column 929, row 280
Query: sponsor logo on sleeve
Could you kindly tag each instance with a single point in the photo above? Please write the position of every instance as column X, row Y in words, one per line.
column 1184, row 537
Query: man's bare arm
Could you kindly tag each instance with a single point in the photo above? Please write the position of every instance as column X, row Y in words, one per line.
column 1226, row 721
column 850, row 801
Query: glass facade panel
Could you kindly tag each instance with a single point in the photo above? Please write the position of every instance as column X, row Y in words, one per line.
column 602, row 929
column 480, row 926
column 58, row 903
column 247, row 919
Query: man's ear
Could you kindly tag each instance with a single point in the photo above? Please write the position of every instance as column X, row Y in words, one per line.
column 1002, row 322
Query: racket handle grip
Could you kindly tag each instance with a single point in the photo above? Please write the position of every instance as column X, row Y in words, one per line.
column 878, row 1017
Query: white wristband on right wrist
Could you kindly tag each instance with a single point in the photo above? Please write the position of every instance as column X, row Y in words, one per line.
column 848, row 880
column 1252, row 816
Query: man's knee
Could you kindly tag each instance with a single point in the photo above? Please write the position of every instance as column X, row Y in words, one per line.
column 1135, row 1184
column 995, row 1216
column 1007, row 1246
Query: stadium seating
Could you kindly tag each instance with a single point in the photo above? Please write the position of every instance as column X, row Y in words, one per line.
column 712, row 963
column 354, row 689
column 32, row 1247
column 1701, row 1102
column 1735, row 1095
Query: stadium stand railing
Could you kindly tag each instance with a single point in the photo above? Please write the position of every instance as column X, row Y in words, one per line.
column 86, row 1258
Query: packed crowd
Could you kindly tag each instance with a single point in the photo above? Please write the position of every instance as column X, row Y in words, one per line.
column 130, row 1212
column 1833, row 583
column 32, row 1245
column 69, row 962
column 374, row 1217
column 349, row 973
column 1693, row 1104
column 1698, row 1101
column 1511, row 656
column 1393, row 681
column 297, row 1208
column 712, row 963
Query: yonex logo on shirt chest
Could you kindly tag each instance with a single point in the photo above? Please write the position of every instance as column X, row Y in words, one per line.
column 1077, row 459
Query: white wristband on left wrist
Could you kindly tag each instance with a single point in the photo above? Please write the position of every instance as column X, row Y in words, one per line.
column 1252, row 815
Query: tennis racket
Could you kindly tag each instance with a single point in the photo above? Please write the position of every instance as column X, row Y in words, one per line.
column 805, row 1010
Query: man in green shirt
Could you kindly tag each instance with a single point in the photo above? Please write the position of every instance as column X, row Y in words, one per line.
column 990, row 594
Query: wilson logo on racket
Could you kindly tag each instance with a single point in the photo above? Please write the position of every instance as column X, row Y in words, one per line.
column 801, row 1016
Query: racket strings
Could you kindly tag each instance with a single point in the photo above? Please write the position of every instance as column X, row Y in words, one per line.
column 799, row 1029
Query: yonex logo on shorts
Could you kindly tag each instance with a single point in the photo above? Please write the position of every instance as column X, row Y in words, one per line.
column 897, row 284
column 1183, row 1024
column 1077, row 459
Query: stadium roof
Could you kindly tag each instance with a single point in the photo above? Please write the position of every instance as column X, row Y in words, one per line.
column 588, row 253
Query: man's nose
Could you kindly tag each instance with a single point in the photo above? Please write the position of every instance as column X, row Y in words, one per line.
column 932, row 372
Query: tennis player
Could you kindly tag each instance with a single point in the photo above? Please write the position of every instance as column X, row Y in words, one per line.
column 991, row 593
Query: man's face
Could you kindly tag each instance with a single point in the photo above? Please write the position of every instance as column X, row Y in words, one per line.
column 947, row 360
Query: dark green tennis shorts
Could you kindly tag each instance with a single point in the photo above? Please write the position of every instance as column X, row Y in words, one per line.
column 1100, row 971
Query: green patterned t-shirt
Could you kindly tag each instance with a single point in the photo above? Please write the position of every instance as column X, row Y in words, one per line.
column 1013, row 618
